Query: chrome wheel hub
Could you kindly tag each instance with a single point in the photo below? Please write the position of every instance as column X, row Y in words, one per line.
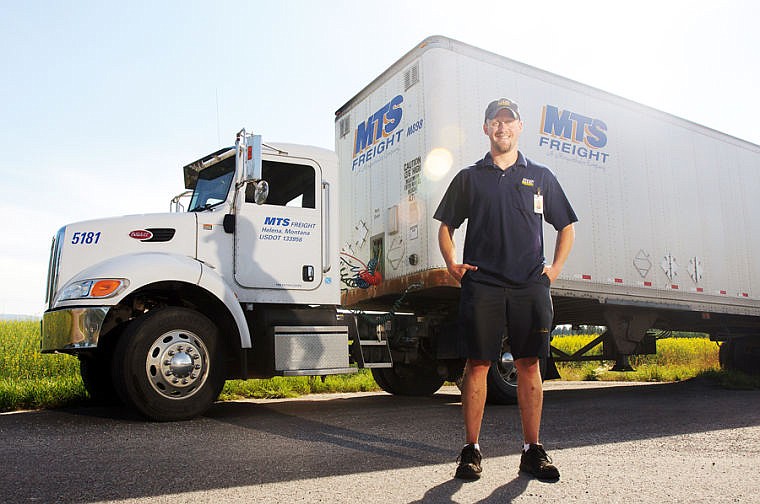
column 177, row 364
column 507, row 368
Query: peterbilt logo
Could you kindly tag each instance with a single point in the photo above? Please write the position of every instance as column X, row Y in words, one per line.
column 141, row 234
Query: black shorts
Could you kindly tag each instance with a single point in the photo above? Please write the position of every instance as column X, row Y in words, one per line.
column 488, row 313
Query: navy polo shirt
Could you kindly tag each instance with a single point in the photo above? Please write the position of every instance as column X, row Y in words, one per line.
column 504, row 236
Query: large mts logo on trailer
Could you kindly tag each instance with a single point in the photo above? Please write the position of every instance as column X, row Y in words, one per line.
column 380, row 132
column 573, row 136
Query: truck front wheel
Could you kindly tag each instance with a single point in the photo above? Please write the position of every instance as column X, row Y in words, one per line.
column 168, row 364
column 96, row 376
column 95, row 369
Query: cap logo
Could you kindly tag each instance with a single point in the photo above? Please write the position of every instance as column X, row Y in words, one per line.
column 502, row 103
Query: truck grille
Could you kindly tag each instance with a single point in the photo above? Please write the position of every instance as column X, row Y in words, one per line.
column 52, row 276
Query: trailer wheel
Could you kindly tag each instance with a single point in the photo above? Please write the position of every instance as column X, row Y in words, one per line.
column 168, row 364
column 724, row 354
column 409, row 379
column 502, row 378
column 741, row 354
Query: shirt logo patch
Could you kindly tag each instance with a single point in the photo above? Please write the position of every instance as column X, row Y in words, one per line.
column 528, row 182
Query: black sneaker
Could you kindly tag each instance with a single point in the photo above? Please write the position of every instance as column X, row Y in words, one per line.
column 535, row 461
column 469, row 463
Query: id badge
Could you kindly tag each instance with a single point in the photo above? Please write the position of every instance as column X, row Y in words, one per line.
column 538, row 204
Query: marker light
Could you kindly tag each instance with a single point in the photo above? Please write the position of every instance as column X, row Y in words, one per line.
column 104, row 288
column 93, row 289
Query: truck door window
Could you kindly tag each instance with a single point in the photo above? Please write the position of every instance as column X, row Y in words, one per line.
column 290, row 185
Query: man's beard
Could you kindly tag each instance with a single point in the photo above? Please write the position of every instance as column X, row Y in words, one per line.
column 502, row 147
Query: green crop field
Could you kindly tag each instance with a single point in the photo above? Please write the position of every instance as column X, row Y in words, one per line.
column 29, row 379
column 676, row 359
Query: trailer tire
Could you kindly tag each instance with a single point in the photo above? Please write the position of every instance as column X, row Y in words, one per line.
column 724, row 354
column 409, row 379
column 168, row 364
column 740, row 354
column 502, row 379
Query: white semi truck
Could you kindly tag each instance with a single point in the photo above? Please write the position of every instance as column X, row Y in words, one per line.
column 291, row 260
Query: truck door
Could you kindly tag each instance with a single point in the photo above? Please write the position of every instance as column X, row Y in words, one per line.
column 278, row 245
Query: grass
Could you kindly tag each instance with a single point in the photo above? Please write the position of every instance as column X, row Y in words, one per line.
column 677, row 359
column 294, row 386
column 31, row 380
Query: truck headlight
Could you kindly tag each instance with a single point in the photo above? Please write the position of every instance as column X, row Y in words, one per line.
column 94, row 289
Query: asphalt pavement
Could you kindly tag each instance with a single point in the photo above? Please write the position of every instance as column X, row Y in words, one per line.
column 626, row 443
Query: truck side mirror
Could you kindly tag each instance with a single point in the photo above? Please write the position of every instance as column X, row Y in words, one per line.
column 257, row 191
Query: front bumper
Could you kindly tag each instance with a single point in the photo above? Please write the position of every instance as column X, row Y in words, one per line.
column 72, row 329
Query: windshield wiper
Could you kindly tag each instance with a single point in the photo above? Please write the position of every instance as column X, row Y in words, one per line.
column 204, row 207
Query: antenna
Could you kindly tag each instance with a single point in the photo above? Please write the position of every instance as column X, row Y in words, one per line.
column 218, row 134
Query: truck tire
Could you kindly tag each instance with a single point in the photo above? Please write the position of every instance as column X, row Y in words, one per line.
column 724, row 354
column 740, row 354
column 409, row 379
column 168, row 364
column 95, row 369
column 379, row 375
column 96, row 376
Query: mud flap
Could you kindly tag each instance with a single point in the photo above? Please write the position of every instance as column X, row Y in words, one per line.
column 551, row 372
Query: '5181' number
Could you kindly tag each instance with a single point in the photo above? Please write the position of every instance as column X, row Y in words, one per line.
column 85, row 238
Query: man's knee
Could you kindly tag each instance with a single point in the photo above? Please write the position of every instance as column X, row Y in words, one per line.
column 478, row 365
column 476, row 368
column 527, row 365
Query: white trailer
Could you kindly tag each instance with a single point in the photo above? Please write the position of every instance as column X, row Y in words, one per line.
column 666, row 206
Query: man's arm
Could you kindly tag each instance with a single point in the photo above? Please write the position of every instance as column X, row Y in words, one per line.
column 448, row 251
column 565, row 240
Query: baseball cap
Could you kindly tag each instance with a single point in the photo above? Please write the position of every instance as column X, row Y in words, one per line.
column 502, row 103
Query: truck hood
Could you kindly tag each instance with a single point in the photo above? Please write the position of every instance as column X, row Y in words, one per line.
column 87, row 243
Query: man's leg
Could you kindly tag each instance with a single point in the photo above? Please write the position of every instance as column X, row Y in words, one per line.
column 473, row 404
column 474, row 397
column 530, row 397
column 482, row 320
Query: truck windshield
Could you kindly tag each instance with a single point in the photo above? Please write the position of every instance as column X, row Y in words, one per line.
column 213, row 185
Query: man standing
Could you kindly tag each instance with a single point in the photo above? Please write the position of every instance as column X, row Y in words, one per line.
column 505, row 281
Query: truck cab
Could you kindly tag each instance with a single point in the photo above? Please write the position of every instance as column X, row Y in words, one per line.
column 161, row 309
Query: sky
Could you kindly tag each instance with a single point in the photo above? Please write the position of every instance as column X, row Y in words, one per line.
column 103, row 102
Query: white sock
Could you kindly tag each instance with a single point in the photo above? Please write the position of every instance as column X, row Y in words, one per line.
column 526, row 446
column 476, row 445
